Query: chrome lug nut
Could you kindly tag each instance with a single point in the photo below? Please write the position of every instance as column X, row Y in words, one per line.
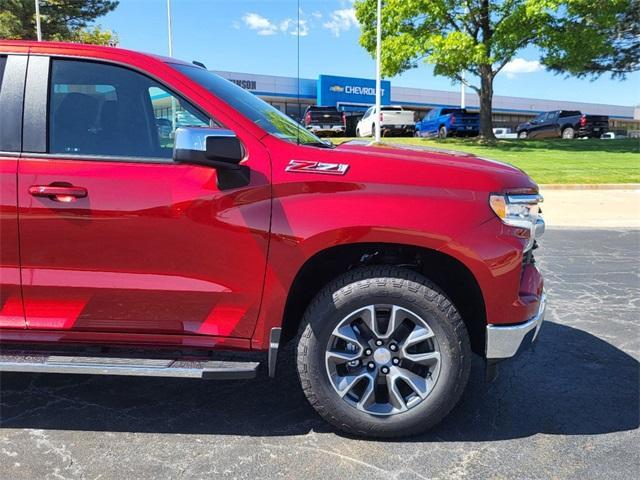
column 367, row 352
column 379, row 343
column 371, row 365
column 393, row 347
column 384, row 370
column 396, row 361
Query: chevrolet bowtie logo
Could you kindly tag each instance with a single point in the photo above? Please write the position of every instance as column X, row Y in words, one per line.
column 336, row 88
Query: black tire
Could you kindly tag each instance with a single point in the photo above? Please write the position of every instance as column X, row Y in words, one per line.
column 568, row 133
column 383, row 285
column 442, row 132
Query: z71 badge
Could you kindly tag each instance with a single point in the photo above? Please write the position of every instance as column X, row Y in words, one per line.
column 305, row 166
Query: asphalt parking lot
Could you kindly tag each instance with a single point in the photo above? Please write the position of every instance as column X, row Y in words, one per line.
column 568, row 410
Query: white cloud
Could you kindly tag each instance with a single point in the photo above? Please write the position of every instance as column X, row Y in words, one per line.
column 304, row 29
column 520, row 65
column 341, row 20
column 263, row 26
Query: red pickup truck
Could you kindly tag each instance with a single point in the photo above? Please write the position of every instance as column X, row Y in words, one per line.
column 158, row 220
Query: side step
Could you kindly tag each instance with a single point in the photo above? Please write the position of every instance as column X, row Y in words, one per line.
column 142, row 367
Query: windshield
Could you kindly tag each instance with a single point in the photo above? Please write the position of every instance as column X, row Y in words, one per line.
column 258, row 111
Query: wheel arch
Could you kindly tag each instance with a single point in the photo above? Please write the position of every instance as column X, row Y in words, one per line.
column 447, row 272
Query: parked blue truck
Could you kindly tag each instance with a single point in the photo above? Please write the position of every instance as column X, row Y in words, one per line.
column 445, row 122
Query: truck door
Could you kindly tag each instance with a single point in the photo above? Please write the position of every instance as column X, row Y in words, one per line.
column 12, row 75
column 550, row 127
column 115, row 236
column 538, row 125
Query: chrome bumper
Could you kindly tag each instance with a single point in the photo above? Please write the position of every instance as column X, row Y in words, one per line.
column 332, row 128
column 505, row 341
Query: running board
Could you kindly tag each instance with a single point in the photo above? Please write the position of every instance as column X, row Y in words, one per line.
column 139, row 367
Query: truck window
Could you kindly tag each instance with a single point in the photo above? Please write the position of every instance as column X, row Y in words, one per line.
column 268, row 118
column 107, row 110
column 170, row 113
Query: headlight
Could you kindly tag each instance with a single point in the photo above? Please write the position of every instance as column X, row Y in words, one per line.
column 520, row 211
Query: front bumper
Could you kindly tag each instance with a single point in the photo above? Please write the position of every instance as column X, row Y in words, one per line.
column 505, row 341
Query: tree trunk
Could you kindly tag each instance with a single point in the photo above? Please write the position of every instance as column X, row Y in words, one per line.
column 486, row 101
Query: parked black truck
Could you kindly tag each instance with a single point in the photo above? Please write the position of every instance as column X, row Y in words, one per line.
column 564, row 124
column 325, row 121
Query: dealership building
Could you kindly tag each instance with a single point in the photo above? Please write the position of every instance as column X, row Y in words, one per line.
column 355, row 95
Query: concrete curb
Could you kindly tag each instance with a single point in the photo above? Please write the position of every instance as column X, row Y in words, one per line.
column 589, row 186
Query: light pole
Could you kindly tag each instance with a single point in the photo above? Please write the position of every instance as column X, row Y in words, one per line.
column 462, row 90
column 378, row 82
column 38, row 29
column 170, row 40
column 169, row 32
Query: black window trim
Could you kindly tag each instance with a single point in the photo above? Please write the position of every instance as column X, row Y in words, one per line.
column 34, row 132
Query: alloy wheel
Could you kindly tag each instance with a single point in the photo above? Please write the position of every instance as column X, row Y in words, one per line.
column 383, row 359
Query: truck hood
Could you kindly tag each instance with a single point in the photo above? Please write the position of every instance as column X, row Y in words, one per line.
column 409, row 164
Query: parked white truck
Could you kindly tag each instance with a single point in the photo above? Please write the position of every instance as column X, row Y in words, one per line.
column 504, row 133
column 394, row 120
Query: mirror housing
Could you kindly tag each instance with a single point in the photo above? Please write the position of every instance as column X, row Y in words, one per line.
column 213, row 147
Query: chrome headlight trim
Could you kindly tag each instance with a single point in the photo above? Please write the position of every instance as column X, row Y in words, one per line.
column 520, row 211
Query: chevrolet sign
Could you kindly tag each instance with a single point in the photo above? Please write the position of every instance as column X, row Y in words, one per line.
column 334, row 90
column 354, row 90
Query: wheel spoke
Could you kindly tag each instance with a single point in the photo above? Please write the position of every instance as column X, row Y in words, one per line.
column 347, row 333
column 417, row 383
column 427, row 358
column 419, row 334
column 368, row 397
column 395, row 397
column 368, row 316
column 344, row 384
column 397, row 316
column 341, row 357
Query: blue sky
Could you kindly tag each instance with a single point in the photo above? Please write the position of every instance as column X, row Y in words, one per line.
column 259, row 37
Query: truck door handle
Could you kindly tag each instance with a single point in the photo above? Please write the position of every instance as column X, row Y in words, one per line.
column 59, row 193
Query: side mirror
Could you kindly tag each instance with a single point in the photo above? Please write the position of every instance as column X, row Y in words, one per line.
column 213, row 147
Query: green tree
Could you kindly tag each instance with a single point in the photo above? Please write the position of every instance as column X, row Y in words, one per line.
column 61, row 20
column 621, row 40
column 482, row 36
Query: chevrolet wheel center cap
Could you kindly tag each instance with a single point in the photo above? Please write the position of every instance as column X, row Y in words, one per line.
column 382, row 356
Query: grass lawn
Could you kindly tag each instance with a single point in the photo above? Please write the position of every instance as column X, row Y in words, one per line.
column 553, row 160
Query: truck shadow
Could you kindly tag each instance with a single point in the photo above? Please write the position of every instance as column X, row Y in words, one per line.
column 574, row 384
